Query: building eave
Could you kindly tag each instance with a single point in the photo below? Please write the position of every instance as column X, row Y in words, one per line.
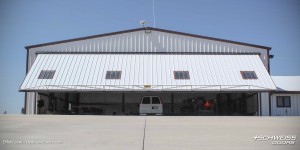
column 286, row 92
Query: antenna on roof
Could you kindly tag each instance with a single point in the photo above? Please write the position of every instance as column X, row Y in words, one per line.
column 153, row 13
column 143, row 22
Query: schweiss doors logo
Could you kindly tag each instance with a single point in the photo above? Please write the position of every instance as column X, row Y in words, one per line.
column 277, row 139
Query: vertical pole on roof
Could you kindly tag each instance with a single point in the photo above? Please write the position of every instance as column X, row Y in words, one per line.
column 153, row 13
column 123, row 103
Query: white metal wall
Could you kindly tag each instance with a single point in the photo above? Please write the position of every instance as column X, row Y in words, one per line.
column 265, row 104
column 294, row 110
column 156, row 41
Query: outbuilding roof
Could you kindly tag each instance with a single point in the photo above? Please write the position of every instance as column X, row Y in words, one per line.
column 287, row 83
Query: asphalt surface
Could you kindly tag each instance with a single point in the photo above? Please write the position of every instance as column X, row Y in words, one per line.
column 30, row 132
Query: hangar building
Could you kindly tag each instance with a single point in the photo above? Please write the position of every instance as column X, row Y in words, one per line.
column 109, row 74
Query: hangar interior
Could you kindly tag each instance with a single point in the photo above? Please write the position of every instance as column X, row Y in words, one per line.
column 127, row 103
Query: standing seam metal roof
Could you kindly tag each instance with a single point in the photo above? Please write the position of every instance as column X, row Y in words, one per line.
column 287, row 83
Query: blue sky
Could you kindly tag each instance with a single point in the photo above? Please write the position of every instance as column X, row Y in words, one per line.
column 273, row 23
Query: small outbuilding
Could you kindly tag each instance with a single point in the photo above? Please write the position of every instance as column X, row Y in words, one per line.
column 285, row 101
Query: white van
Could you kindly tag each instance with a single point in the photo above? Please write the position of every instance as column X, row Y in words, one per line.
column 151, row 105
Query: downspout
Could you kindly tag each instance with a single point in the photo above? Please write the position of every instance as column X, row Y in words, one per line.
column 268, row 55
column 25, row 101
column 270, row 93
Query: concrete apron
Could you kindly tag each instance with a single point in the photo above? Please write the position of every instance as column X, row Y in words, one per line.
column 144, row 132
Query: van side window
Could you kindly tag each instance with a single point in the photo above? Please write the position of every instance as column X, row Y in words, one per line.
column 146, row 100
column 155, row 100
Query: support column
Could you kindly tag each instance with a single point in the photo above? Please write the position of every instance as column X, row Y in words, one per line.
column 123, row 103
column 219, row 97
column 36, row 97
column 51, row 101
column 55, row 104
column 67, row 99
column 172, row 95
column 229, row 108
column 24, row 109
column 243, row 103
column 259, row 103
column 29, row 105
column 77, row 100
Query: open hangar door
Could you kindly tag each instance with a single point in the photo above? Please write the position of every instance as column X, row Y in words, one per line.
column 106, row 87
column 128, row 103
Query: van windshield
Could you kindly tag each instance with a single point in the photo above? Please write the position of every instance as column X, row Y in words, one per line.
column 155, row 100
column 146, row 100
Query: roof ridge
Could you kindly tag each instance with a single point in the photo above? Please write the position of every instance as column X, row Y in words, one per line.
column 147, row 28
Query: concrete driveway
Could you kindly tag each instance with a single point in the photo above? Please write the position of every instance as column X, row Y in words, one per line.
column 148, row 133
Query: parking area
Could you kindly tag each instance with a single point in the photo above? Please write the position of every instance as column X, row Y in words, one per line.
column 146, row 132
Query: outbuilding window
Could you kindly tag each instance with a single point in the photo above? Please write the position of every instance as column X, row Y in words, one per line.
column 283, row 101
column 248, row 75
column 181, row 75
column 113, row 75
column 46, row 74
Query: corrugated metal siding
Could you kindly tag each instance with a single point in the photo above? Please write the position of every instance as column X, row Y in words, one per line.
column 207, row 72
column 265, row 104
column 156, row 41
column 287, row 83
column 294, row 110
